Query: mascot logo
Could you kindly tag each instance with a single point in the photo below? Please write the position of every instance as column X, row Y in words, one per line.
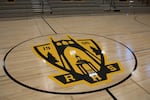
column 78, row 61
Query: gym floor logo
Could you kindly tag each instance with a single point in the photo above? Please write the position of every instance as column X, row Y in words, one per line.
column 78, row 61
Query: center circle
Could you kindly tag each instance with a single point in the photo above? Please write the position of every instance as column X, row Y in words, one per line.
column 26, row 69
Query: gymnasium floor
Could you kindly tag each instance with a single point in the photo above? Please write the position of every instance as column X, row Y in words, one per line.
column 129, row 33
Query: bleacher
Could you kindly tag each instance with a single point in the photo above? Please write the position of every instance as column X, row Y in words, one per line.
column 11, row 8
column 18, row 8
column 74, row 6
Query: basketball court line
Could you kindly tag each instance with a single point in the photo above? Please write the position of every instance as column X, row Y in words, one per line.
column 131, row 17
column 110, row 93
column 49, row 25
column 107, row 89
column 140, row 22
column 136, row 19
column 131, row 79
column 42, row 26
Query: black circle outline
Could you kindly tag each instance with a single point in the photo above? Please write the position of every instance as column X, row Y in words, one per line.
column 71, row 93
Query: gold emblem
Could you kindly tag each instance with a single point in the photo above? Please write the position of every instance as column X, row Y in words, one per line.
column 78, row 61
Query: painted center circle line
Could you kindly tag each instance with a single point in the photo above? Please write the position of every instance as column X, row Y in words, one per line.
column 26, row 69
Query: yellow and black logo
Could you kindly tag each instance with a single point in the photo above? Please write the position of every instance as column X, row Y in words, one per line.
column 78, row 61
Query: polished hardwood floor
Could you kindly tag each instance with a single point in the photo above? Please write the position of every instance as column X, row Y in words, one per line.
column 125, row 38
